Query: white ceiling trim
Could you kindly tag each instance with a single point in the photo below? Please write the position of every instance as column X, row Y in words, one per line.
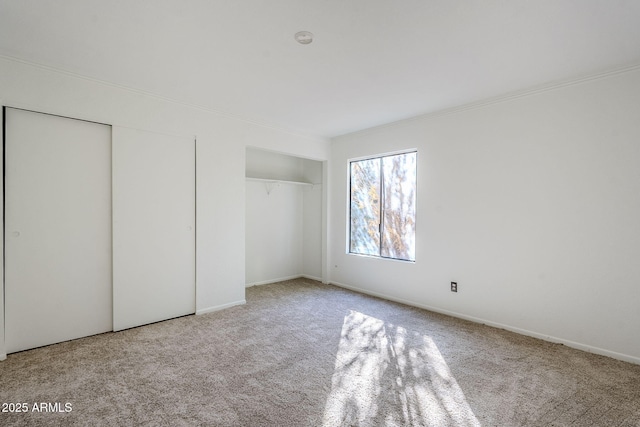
column 547, row 87
column 453, row 110
column 157, row 97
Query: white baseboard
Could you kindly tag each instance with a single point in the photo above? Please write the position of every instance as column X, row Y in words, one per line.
column 568, row 343
column 219, row 307
column 282, row 279
column 266, row 282
column 3, row 356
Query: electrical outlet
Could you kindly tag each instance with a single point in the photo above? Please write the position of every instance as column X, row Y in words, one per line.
column 454, row 286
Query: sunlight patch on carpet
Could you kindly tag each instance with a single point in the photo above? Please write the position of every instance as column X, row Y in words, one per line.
column 385, row 375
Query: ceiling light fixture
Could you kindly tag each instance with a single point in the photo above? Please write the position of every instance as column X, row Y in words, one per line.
column 303, row 37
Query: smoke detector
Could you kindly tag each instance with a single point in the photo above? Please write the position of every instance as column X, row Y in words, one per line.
column 303, row 37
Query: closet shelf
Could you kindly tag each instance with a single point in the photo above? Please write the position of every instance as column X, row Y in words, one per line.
column 280, row 181
column 269, row 183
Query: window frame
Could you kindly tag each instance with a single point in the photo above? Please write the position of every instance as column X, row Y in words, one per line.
column 381, row 202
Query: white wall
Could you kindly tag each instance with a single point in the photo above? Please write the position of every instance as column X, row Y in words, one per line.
column 271, row 165
column 3, row 350
column 273, row 233
column 532, row 204
column 283, row 221
column 220, row 163
column 312, row 227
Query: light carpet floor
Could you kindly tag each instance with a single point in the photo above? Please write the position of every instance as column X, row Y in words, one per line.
column 301, row 353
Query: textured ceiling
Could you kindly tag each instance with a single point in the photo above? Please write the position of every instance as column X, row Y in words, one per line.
column 372, row 61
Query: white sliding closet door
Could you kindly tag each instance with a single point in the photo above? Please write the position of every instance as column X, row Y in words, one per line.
column 153, row 227
column 57, row 229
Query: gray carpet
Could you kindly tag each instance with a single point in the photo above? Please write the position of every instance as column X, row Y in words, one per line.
column 300, row 353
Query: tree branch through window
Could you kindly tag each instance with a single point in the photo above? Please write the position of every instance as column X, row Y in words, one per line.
column 383, row 206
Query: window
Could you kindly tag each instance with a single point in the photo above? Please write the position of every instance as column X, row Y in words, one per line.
column 382, row 214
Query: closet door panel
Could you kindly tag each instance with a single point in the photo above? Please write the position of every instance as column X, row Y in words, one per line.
column 57, row 229
column 153, row 227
